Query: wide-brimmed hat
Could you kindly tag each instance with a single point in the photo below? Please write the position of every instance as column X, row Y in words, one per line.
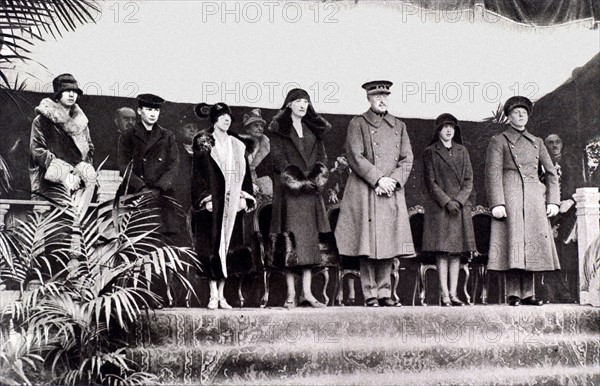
column 517, row 101
column 253, row 117
column 213, row 112
column 378, row 87
column 65, row 82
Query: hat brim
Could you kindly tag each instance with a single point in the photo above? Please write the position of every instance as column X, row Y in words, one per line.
column 512, row 107
column 456, row 125
column 76, row 89
column 254, row 120
column 378, row 92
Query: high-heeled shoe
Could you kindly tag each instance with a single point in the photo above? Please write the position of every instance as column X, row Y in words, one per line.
column 446, row 302
column 224, row 305
column 213, row 303
column 456, row 301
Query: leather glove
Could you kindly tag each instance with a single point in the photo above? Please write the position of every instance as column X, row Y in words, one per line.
column 453, row 207
column 499, row 212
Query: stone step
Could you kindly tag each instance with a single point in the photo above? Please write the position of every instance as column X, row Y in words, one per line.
column 473, row 377
column 259, row 363
column 239, row 327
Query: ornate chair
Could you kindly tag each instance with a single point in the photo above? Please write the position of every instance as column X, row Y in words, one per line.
column 482, row 224
column 426, row 260
column 262, row 226
column 349, row 265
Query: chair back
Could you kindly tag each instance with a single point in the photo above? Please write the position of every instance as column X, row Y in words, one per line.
column 482, row 226
column 416, row 218
column 262, row 219
column 333, row 213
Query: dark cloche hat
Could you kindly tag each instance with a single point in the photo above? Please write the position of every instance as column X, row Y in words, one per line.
column 150, row 100
column 517, row 101
column 213, row 112
column 65, row 82
column 446, row 118
column 378, row 87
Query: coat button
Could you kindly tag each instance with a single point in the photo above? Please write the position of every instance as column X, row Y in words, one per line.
column 160, row 160
column 398, row 146
column 145, row 160
column 375, row 143
column 395, row 132
column 372, row 132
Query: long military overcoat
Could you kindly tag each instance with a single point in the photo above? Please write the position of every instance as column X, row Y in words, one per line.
column 371, row 225
column 523, row 240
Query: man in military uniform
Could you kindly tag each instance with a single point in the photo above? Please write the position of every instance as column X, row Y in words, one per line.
column 153, row 152
column 373, row 223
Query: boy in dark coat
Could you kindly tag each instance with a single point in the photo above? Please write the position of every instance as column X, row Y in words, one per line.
column 153, row 151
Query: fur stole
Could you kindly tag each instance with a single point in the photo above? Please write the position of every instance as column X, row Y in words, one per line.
column 282, row 124
column 74, row 124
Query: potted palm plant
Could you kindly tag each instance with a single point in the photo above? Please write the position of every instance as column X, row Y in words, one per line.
column 70, row 326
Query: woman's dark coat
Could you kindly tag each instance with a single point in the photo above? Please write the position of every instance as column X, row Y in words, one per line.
column 299, row 215
column 208, row 182
column 447, row 178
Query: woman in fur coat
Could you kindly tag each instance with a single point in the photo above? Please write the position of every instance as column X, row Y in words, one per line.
column 448, row 228
column 299, row 216
column 61, row 147
column 221, row 194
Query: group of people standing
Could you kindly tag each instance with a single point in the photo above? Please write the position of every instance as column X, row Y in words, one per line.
column 520, row 178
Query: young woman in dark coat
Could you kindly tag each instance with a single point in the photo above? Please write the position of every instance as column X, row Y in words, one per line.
column 221, row 194
column 448, row 228
column 299, row 174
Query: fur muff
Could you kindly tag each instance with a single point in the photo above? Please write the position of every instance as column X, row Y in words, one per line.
column 295, row 180
column 282, row 250
column 240, row 262
column 58, row 171
column 319, row 174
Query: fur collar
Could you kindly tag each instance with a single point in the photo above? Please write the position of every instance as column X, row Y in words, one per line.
column 72, row 125
column 282, row 125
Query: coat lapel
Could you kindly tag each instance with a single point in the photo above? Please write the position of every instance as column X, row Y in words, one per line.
column 298, row 144
column 443, row 153
column 155, row 136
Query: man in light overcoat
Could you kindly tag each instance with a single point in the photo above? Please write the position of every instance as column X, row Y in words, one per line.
column 373, row 222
